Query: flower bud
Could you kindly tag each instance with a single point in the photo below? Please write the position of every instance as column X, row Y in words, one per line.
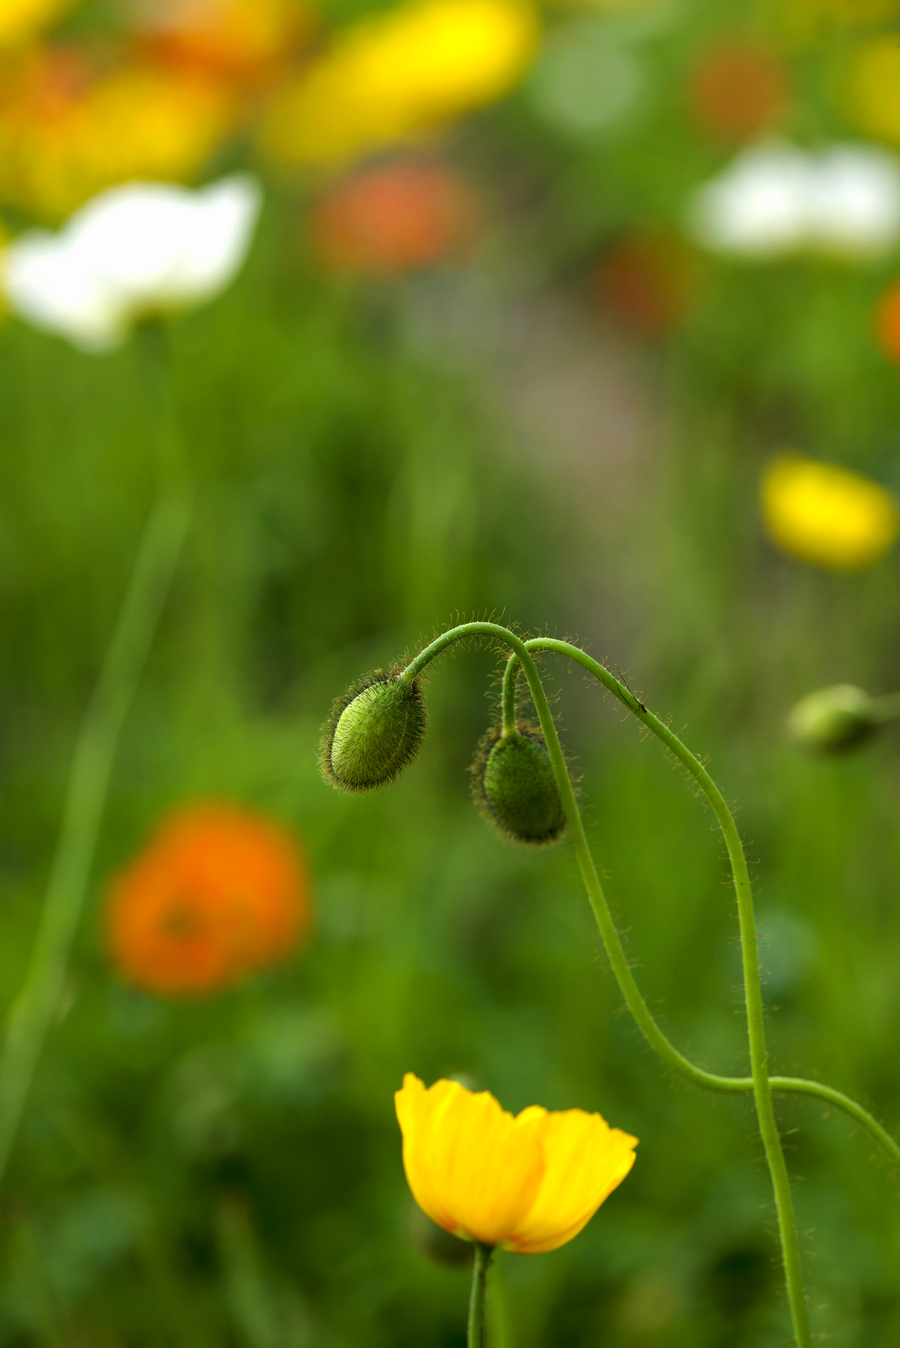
column 514, row 786
column 374, row 731
column 833, row 720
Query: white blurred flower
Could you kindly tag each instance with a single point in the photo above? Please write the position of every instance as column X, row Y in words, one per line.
column 138, row 249
column 856, row 199
column 775, row 199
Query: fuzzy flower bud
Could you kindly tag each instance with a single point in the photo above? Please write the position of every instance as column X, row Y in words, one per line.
column 514, row 786
column 833, row 720
column 374, row 731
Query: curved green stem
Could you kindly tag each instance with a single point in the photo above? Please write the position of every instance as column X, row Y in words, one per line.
column 480, row 1265
column 618, row 959
column 33, row 1009
column 756, row 1030
column 752, row 986
column 818, row 1091
column 798, row 1085
column 760, row 1083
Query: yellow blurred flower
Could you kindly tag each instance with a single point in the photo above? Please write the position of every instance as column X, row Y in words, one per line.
column 874, row 88
column 384, row 79
column 63, row 139
column 528, row 1183
column 827, row 515
column 21, row 19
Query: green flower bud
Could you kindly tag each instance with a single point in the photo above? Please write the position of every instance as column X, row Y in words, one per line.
column 833, row 720
column 514, row 786
column 374, row 731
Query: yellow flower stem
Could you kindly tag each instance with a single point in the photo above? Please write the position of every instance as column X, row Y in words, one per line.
column 480, row 1265
column 33, row 1009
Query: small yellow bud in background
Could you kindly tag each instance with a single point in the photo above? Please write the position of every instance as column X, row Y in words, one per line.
column 375, row 730
column 827, row 515
column 834, row 720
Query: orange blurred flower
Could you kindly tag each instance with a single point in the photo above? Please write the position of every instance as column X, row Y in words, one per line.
column 887, row 322
column 394, row 218
column 219, row 893
column 239, row 40
column 646, row 282
column 737, row 90
column 69, row 130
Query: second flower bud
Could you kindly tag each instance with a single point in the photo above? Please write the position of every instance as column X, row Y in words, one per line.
column 515, row 788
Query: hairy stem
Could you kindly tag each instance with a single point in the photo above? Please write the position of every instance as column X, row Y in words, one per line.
column 753, row 989
column 615, row 951
column 480, row 1266
column 798, row 1085
column 33, row 1009
column 760, row 1083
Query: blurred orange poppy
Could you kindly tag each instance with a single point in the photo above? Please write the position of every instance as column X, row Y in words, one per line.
column 887, row 323
column 69, row 129
column 737, row 90
column 219, row 893
column 394, row 218
column 646, row 282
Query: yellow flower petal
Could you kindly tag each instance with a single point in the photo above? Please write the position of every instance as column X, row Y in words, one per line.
column 473, row 1168
column 391, row 77
column 874, row 88
column 21, row 19
column 585, row 1161
column 827, row 515
column 529, row 1183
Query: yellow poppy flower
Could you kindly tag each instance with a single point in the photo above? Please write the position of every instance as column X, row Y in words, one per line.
column 527, row 1184
column 387, row 78
column 827, row 515
column 64, row 137
column 21, row 19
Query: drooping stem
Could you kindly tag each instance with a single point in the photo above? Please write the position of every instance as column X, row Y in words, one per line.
column 615, row 950
column 798, row 1085
column 480, row 1266
column 603, row 916
column 753, row 989
column 33, row 1009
